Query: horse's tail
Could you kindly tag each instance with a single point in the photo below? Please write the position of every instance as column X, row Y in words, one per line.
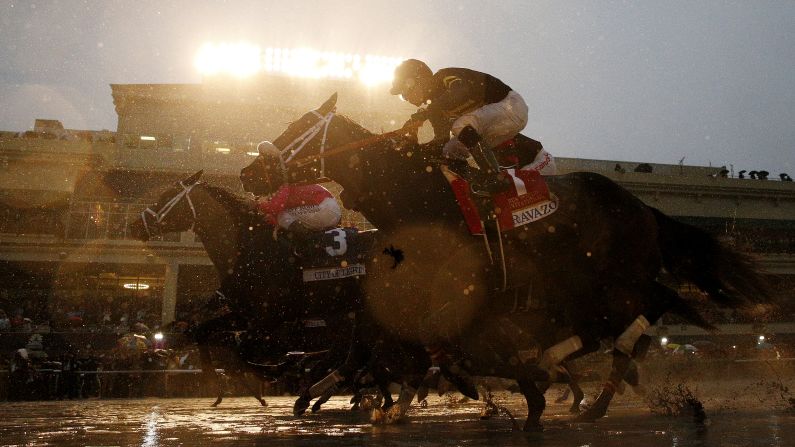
column 729, row 277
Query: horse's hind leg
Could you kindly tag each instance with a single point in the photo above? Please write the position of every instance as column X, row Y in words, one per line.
column 252, row 390
column 576, row 391
column 625, row 348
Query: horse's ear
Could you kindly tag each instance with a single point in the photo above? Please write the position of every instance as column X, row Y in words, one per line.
column 329, row 105
column 193, row 178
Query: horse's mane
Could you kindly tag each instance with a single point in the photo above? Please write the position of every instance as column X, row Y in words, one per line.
column 356, row 126
column 429, row 148
column 240, row 207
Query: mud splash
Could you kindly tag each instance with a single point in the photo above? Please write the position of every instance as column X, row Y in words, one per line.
column 676, row 401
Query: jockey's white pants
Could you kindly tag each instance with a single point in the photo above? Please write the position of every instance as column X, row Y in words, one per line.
column 323, row 216
column 495, row 122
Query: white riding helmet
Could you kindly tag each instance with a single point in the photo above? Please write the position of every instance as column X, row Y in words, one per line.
column 275, row 169
column 268, row 149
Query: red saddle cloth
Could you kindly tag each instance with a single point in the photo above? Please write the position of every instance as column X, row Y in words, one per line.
column 528, row 200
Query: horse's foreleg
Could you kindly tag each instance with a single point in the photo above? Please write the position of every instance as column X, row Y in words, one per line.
column 323, row 399
column 408, row 391
column 208, row 369
column 535, row 404
column 202, row 336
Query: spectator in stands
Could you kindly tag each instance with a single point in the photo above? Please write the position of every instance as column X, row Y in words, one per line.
column 26, row 326
column 5, row 323
column 75, row 317
column 123, row 326
column 107, row 319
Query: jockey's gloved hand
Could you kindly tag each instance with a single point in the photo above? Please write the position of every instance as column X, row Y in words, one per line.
column 455, row 150
column 469, row 137
column 420, row 115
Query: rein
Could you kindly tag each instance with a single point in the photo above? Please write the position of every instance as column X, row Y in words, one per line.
column 167, row 207
column 354, row 145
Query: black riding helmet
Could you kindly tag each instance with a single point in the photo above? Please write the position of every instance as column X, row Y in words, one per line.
column 406, row 75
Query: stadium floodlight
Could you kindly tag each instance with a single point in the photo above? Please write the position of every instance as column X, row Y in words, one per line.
column 239, row 59
column 244, row 59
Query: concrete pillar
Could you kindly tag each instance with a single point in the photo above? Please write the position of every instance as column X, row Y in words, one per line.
column 169, row 293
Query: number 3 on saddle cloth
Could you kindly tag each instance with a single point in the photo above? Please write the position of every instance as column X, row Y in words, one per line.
column 333, row 254
column 527, row 200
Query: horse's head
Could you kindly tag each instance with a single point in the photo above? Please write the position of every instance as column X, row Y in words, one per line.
column 174, row 211
column 297, row 156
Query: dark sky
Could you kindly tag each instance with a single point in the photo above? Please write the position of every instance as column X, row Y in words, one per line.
column 712, row 81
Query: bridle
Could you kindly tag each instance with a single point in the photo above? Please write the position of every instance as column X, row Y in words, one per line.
column 295, row 146
column 289, row 152
column 166, row 208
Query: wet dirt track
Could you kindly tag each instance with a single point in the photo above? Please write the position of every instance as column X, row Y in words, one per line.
column 240, row 421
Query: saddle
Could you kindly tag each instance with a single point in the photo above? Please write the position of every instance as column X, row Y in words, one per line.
column 328, row 255
column 526, row 200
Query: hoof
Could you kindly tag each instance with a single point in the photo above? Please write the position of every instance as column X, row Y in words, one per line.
column 217, row 401
column 393, row 415
column 488, row 412
column 590, row 415
column 422, row 393
column 262, row 402
column 462, row 380
column 377, row 416
column 316, row 407
column 300, row 406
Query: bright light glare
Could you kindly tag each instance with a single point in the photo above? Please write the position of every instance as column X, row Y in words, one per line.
column 240, row 59
column 244, row 59
column 136, row 286
column 158, row 336
column 761, row 338
column 664, row 341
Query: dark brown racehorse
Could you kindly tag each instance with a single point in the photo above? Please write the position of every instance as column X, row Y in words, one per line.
column 260, row 279
column 595, row 261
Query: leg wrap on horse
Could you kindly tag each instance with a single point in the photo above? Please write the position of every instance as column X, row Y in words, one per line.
column 626, row 341
column 555, row 354
column 325, row 384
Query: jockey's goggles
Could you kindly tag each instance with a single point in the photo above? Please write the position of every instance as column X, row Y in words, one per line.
column 403, row 86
